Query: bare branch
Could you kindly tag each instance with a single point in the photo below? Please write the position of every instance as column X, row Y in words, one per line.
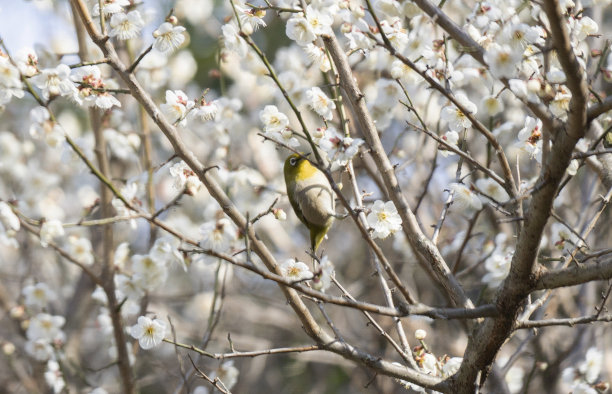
column 574, row 275
column 417, row 239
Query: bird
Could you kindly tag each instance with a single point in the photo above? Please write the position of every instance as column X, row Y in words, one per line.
column 311, row 197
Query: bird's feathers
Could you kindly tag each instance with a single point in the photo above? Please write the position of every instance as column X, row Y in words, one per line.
column 311, row 198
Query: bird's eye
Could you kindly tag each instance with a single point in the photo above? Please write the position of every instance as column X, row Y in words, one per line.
column 293, row 161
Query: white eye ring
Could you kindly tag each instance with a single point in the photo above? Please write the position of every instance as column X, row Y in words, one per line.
column 293, row 161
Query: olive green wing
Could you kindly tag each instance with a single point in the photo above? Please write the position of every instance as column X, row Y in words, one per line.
column 296, row 206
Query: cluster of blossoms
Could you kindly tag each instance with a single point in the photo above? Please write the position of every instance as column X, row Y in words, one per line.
column 584, row 377
column 516, row 71
column 431, row 365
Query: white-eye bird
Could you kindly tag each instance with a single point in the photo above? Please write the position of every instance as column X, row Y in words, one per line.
column 311, row 197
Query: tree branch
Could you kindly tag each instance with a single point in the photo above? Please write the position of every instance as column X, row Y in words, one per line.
column 574, row 275
column 411, row 228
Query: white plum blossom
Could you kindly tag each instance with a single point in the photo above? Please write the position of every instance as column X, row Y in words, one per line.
column 320, row 103
column 8, row 219
column 184, row 178
column 451, row 366
column 55, row 82
column 585, row 27
column 429, row 364
column 295, row 270
column 399, row 70
column 318, row 57
column 207, row 110
column 524, row 90
column 530, row 138
column 339, row 148
column 10, row 81
column 464, row 198
column 520, row 35
column 585, row 375
column 323, row 276
column 168, row 37
column 456, row 118
column 226, row 373
column 286, row 137
column 165, row 249
column 590, row 368
column 503, row 60
column 110, row 7
column 149, row 332
column 273, row 119
column 124, row 147
column 121, row 255
column 38, row 295
column 389, row 93
column 233, row 41
column 43, row 127
column 91, row 88
column 46, row 326
column 492, row 105
column 40, row 348
column 555, row 75
column 300, row 30
column 515, row 378
column 126, row 26
column 128, row 287
column 218, row 235
column 560, row 104
column 153, row 71
column 50, row 230
column 54, row 377
column 176, row 106
column 320, row 21
column 80, row 249
column 149, row 273
column 251, row 19
column 498, row 267
column 384, row 219
column 452, row 138
column 130, row 192
column 357, row 37
column 27, row 62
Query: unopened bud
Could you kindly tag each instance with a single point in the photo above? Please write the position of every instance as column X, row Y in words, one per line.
column 279, row 214
column 17, row 312
column 345, row 28
column 8, row 348
column 172, row 19
column 420, row 334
